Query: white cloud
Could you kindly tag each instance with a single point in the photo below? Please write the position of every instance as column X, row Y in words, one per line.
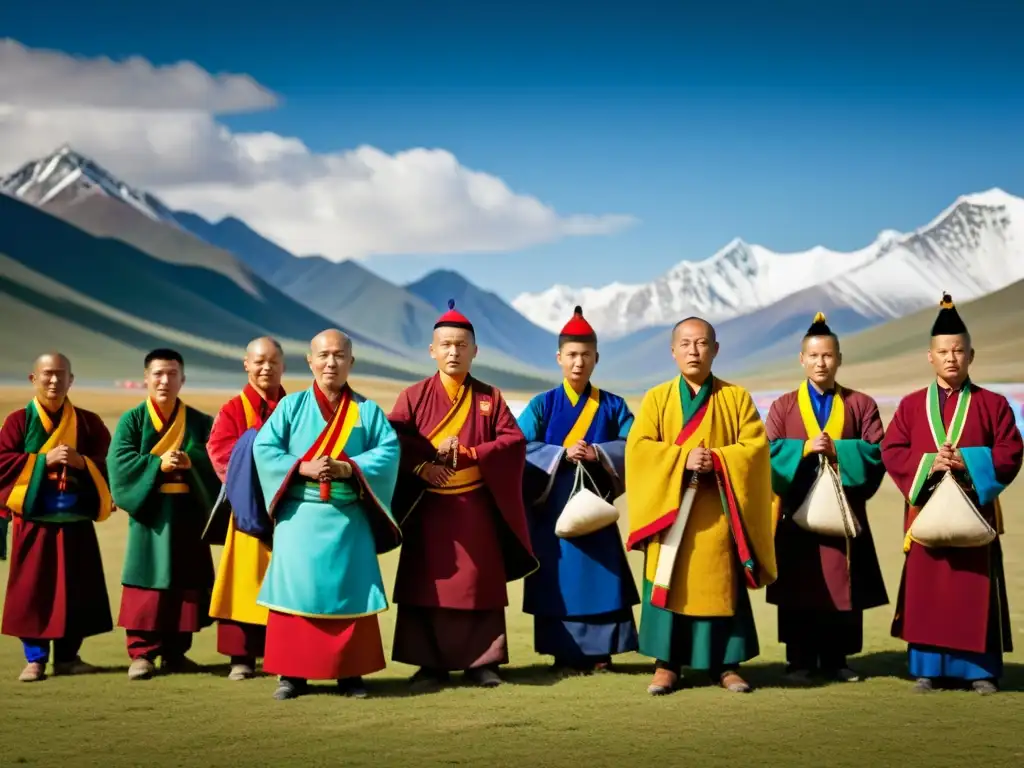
column 346, row 204
column 35, row 77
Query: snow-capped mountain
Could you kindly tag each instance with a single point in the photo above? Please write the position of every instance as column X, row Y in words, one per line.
column 65, row 176
column 974, row 247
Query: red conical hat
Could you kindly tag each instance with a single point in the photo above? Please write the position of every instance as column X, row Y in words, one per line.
column 578, row 327
column 453, row 318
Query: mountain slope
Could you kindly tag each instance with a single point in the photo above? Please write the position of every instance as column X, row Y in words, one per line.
column 109, row 288
column 975, row 246
column 893, row 356
column 498, row 326
column 346, row 292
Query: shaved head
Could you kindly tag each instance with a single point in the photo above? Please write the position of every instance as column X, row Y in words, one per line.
column 330, row 359
column 263, row 345
column 264, row 365
column 51, row 378
column 693, row 323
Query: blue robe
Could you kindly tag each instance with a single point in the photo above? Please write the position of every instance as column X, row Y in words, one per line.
column 582, row 595
column 325, row 564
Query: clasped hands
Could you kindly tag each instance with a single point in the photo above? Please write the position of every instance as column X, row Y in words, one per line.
column 439, row 473
column 174, row 461
column 325, row 468
column 947, row 459
column 824, row 446
column 66, row 455
column 699, row 460
column 581, row 452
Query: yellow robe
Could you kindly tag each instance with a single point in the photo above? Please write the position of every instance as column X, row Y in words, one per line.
column 704, row 575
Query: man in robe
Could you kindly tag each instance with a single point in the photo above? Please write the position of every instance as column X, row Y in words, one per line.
column 459, row 500
column 583, row 594
column 952, row 609
column 241, row 622
column 698, row 487
column 327, row 461
column 161, row 476
column 825, row 582
column 53, row 482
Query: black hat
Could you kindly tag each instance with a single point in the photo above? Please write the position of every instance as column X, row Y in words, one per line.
column 948, row 321
column 819, row 327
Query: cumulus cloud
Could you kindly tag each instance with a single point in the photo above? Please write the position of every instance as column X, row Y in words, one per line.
column 351, row 203
column 35, row 77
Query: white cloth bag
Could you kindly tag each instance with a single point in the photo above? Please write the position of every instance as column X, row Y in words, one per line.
column 950, row 519
column 825, row 509
column 585, row 511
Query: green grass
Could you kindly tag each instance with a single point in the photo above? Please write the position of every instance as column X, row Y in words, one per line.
column 534, row 720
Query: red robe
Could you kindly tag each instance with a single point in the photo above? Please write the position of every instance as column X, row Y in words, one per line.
column 230, row 424
column 55, row 586
column 946, row 595
column 458, row 550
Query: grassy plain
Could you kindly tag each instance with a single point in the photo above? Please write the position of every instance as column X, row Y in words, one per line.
column 535, row 720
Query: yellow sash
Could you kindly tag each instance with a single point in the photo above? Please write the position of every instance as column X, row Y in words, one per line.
column 836, row 418
column 325, row 445
column 470, row 478
column 171, row 441
column 250, row 413
column 586, row 418
column 65, row 433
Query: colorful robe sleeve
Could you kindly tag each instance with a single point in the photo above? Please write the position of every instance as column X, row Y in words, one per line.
column 744, row 471
column 787, row 453
column 612, row 453
column 860, row 459
column 375, row 471
column 416, row 448
column 223, row 435
column 275, row 466
column 991, row 470
column 655, row 475
column 899, row 457
column 204, row 482
column 133, row 474
column 502, row 462
column 19, row 482
column 542, row 459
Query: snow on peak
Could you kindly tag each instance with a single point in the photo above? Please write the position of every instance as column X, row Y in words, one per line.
column 70, row 175
column 977, row 245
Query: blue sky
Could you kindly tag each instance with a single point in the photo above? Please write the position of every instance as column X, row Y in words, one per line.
column 807, row 123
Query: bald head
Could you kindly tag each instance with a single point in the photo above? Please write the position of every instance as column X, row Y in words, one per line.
column 695, row 325
column 330, row 359
column 264, row 365
column 51, row 378
column 694, row 347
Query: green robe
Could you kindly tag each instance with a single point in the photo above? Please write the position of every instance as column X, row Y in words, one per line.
column 165, row 548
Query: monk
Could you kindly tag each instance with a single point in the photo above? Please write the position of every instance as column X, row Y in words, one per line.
column 53, row 481
column 459, row 500
column 825, row 582
column 952, row 609
column 241, row 623
column 327, row 461
column 582, row 596
column 161, row 476
column 698, row 486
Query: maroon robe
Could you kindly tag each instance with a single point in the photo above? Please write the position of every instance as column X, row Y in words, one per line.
column 55, row 586
column 947, row 595
column 814, row 573
column 458, row 550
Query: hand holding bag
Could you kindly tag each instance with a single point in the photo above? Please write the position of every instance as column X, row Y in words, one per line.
column 585, row 511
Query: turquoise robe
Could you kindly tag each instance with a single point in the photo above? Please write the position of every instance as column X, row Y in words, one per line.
column 325, row 553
